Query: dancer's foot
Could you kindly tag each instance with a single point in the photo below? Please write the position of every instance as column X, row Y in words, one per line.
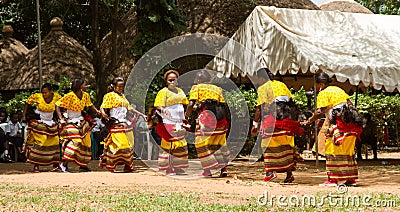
column 206, row 173
column 84, row 169
column 64, row 168
column 169, row 171
column 128, row 169
column 36, row 169
column 289, row 179
column 350, row 183
column 224, row 172
column 332, row 183
column 269, row 176
column 179, row 171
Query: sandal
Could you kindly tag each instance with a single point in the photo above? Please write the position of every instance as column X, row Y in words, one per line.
column 36, row 169
column 289, row 179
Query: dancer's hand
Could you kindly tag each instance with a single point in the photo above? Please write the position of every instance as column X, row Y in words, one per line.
column 254, row 131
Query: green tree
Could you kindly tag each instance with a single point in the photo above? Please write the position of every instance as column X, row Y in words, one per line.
column 158, row 20
column 387, row 7
column 76, row 14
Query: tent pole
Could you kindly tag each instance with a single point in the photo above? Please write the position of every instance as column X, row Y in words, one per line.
column 39, row 45
column 315, row 125
column 355, row 101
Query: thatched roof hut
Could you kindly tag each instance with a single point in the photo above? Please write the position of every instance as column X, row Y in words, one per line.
column 62, row 56
column 125, row 59
column 12, row 52
column 344, row 6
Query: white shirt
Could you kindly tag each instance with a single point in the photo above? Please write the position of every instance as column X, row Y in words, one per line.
column 13, row 128
column 99, row 125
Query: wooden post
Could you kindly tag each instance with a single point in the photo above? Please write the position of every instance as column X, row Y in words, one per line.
column 316, row 126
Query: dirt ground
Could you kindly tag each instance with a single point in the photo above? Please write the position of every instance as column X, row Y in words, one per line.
column 244, row 180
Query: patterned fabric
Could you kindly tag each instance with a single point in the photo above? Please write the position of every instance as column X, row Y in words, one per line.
column 203, row 92
column 77, row 152
column 71, row 102
column 211, row 147
column 166, row 98
column 174, row 146
column 41, row 103
column 210, row 139
column 341, row 167
column 212, row 151
column 42, row 144
column 114, row 100
column 331, row 96
column 174, row 152
column 118, row 147
column 340, row 141
column 77, row 142
column 270, row 90
column 290, row 126
column 173, row 155
column 280, row 155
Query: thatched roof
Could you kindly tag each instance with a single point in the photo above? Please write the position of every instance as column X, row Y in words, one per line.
column 344, row 6
column 125, row 59
column 62, row 55
column 12, row 52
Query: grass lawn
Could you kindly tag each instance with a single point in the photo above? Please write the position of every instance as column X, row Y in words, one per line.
column 25, row 198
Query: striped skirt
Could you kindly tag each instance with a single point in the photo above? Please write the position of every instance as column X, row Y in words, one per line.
column 212, row 150
column 77, row 143
column 340, row 160
column 42, row 144
column 118, row 147
column 280, row 155
column 174, row 152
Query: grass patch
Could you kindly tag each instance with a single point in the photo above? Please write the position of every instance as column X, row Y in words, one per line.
column 25, row 198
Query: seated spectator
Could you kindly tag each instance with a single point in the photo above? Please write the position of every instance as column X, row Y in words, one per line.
column 14, row 132
column 4, row 147
column 99, row 132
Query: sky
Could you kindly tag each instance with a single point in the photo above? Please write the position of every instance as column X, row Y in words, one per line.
column 317, row 2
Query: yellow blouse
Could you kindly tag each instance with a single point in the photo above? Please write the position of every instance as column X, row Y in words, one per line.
column 71, row 102
column 113, row 100
column 167, row 98
column 41, row 104
column 203, row 92
column 331, row 96
column 270, row 90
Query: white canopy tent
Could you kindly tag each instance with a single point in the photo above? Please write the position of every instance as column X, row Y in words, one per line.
column 353, row 47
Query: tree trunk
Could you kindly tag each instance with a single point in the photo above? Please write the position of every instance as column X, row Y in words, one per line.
column 114, row 36
column 98, row 66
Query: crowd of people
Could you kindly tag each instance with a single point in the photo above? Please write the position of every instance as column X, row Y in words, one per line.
column 61, row 130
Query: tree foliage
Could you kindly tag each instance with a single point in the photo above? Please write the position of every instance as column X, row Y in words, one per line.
column 387, row 7
column 18, row 102
column 76, row 15
column 158, row 20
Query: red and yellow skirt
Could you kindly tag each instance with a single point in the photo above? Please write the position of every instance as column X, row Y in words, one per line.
column 118, row 147
column 77, row 143
column 174, row 152
column 42, row 144
column 211, row 146
column 280, row 154
column 340, row 160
